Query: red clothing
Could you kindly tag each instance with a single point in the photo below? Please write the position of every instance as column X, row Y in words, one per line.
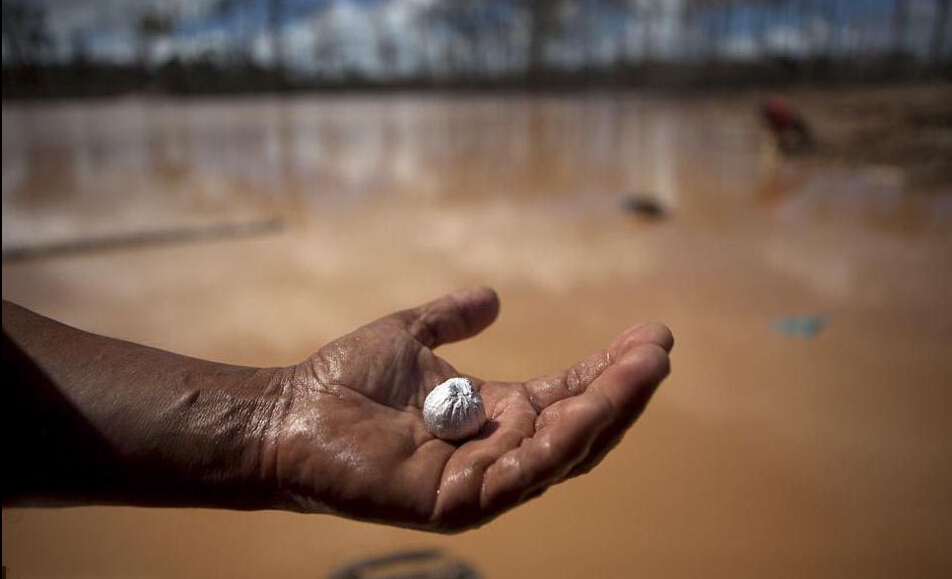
column 781, row 116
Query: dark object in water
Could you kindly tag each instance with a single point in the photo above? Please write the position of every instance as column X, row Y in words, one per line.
column 644, row 206
column 800, row 326
column 411, row 564
column 789, row 128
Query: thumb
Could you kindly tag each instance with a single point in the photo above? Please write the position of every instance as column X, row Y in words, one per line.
column 453, row 317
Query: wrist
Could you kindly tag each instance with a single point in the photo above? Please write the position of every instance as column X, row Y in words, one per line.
column 200, row 440
column 291, row 458
column 226, row 447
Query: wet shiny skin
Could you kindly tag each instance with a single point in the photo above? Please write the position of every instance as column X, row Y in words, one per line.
column 352, row 439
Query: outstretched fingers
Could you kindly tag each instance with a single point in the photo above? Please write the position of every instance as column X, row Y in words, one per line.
column 646, row 333
column 564, row 435
column 453, row 317
column 575, row 380
column 583, row 412
column 629, row 385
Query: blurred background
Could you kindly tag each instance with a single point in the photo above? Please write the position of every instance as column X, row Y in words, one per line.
column 245, row 180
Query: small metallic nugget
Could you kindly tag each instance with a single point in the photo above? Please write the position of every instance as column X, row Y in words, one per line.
column 454, row 410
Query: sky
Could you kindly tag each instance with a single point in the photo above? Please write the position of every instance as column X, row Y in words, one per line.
column 339, row 35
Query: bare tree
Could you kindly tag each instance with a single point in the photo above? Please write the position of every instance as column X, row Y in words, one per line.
column 387, row 47
column 277, row 12
column 151, row 26
column 543, row 24
column 330, row 46
column 900, row 20
column 940, row 22
column 25, row 32
column 243, row 41
column 652, row 12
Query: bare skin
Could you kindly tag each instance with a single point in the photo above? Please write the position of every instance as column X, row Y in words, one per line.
column 340, row 433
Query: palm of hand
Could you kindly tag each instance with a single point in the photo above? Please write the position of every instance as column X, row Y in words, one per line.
column 353, row 441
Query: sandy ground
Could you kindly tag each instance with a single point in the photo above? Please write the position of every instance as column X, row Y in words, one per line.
column 762, row 455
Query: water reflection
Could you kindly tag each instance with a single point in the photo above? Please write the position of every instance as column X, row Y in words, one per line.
column 76, row 169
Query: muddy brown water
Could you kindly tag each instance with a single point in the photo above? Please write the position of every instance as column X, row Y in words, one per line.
column 762, row 455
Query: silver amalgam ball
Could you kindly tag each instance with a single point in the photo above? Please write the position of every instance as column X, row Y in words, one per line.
column 454, row 410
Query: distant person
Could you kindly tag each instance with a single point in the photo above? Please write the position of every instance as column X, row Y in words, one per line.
column 791, row 132
column 94, row 420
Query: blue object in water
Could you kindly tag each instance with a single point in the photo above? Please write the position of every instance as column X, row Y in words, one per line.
column 800, row 326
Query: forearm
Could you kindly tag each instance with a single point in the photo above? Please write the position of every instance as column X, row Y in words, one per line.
column 93, row 419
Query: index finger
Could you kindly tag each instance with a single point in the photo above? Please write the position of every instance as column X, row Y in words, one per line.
column 564, row 435
column 575, row 380
column 569, row 431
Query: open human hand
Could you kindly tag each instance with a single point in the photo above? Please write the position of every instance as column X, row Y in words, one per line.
column 347, row 434
column 115, row 422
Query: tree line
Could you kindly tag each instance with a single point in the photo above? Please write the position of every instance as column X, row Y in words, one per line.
column 481, row 43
